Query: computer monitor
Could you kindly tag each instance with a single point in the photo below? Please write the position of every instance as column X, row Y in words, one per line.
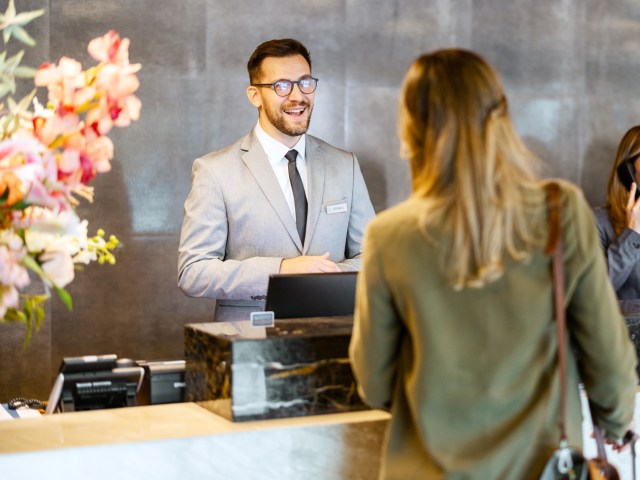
column 311, row 294
column 94, row 382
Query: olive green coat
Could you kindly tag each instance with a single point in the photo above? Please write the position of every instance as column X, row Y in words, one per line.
column 471, row 376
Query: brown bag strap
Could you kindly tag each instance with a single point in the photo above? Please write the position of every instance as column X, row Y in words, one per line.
column 554, row 248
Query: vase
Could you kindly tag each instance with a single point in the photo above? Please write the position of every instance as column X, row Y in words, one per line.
column 26, row 367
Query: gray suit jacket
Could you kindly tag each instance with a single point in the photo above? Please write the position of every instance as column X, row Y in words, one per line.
column 238, row 227
column 623, row 256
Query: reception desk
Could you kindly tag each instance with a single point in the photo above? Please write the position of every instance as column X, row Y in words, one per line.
column 185, row 441
column 179, row 441
column 297, row 367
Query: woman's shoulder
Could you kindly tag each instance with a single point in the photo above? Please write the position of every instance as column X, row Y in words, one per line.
column 569, row 190
column 408, row 207
column 576, row 210
column 571, row 194
column 403, row 213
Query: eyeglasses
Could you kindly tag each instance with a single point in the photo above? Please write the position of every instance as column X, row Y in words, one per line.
column 283, row 88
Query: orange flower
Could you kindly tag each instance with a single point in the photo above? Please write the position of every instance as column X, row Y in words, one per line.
column 11, row 186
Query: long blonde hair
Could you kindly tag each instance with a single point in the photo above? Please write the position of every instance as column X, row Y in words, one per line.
column 617, row 193
column 469, row 164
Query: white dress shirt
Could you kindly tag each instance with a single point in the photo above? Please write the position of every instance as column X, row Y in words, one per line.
column 275, row 153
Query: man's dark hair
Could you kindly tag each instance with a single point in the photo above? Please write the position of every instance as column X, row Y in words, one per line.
column 284, row 47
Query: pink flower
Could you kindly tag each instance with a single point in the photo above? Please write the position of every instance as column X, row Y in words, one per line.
column 53, row 128
column 110, row 48
column 48, row 157
column 99, row 151
column 117, row 105
column 71, row 170
column 66, row 82
column 32, row 170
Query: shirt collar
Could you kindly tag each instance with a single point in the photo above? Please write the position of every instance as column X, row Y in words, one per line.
column 274, row 149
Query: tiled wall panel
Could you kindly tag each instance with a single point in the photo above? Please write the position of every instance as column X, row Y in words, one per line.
column 570, row 69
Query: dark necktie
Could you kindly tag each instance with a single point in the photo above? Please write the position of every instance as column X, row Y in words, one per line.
column 299, row 198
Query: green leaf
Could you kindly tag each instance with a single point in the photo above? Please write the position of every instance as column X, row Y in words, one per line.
column 14, row 315
column 30, row 262
column 27, row 338
column 6, row 88
column 65, row 297
column 39, row 317
column 26, row 17
column 14, row 61
column 25, row 101
column 21, row 34
column 33, row 314
column 28, row 306
column 25, row 72
column 10, row 13
column 11, row 24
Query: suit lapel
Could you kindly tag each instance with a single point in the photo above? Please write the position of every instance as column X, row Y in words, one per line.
column 256, row 161
column 315, row 181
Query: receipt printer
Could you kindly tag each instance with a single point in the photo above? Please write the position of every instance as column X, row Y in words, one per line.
column 163, row 382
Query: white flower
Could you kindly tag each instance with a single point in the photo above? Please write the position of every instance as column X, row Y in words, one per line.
column 51, row 231
column 12, row 273
column 58, row 266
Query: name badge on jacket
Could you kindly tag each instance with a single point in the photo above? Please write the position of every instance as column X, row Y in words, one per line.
column 337, row 208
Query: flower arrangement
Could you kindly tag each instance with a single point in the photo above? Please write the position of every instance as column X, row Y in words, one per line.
column 48, row 156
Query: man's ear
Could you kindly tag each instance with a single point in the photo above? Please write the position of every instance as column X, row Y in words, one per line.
column 253, row 93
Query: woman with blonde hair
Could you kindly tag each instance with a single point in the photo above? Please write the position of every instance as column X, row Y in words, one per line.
column 454, row 330
column 619, row 220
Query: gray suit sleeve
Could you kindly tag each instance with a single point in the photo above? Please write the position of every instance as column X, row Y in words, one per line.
column 202, row 268
column 361, row 213
column 622, row 252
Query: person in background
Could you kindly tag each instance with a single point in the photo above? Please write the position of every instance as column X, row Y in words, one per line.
column 277, row 200
column 454, row 328
column 619, row 220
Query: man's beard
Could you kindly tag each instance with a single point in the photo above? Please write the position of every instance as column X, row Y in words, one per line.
column 277, row 119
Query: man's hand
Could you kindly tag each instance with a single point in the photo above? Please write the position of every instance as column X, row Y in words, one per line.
column 309, row 264
column 633, row 209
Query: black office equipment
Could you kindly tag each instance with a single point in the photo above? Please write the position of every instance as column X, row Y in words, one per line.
column 163, row 382
column 311, row 294
column 94, row 382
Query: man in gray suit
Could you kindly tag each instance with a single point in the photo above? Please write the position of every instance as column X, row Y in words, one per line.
column 275, row 201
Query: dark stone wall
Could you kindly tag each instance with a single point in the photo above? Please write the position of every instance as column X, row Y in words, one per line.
column 570, row 70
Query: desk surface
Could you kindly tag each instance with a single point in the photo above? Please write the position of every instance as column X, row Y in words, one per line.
column 148, row 423
column 183, row 440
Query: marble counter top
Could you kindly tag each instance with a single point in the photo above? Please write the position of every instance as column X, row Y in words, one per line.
column 154, row 422
column 298, row 367
column 178, row 441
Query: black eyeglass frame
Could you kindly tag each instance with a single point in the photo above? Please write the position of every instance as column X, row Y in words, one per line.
column 290, row 82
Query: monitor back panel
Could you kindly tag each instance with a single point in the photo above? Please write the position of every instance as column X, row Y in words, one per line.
column 311, row 294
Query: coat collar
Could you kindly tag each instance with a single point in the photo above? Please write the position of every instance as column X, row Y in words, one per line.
column 256, row 161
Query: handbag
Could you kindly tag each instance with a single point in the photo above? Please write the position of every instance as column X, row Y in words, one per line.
column 566, row 462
